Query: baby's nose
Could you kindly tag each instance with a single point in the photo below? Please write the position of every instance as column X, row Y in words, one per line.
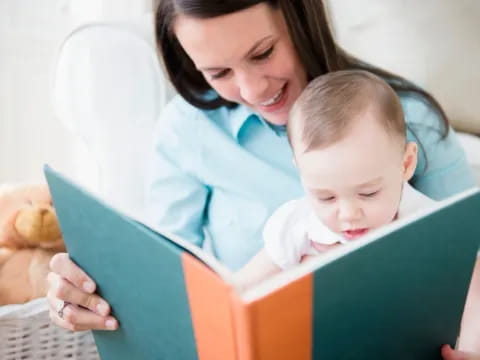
column 350, row 211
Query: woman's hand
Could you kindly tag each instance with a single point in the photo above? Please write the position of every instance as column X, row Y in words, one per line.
column 449, row 354
column 72, row 299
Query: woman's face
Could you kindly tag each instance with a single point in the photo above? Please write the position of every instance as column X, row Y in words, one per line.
column 247, row 57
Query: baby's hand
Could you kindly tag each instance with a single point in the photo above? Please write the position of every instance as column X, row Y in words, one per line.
column 323, row 247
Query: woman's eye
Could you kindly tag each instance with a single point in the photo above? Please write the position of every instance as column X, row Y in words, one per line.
column 264, row 55
column 219, row 75
column 369, row 194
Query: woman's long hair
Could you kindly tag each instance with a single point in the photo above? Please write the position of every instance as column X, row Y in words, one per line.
column 310, row 33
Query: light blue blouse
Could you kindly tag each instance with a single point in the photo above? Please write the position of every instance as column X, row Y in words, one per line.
column 219, row 174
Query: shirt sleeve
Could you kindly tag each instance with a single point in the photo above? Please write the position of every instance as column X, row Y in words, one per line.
column 442, row 168
column 177, row 199
column 284, row 235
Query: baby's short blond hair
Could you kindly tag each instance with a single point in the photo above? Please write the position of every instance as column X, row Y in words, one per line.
column 330, row 103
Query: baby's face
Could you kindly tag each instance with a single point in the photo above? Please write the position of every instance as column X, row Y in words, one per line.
column 355, row 184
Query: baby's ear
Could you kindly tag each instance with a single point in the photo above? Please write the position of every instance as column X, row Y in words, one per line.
column 409, row 160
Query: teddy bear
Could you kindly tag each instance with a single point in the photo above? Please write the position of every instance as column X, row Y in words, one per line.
column 29, row 237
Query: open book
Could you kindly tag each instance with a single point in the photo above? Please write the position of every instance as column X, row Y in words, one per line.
column 398, row 293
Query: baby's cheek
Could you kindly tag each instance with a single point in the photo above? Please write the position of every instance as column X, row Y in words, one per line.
column 383, row 214
column 329, row 219
column 328, row 215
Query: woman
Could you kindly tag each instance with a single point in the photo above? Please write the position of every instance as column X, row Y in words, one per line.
column 222, row 162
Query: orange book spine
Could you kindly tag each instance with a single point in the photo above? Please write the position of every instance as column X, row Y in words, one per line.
column 210, row 306
column 277, row 326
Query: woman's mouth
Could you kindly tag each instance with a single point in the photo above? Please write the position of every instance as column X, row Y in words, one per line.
column 354, row 234
column 276, row 102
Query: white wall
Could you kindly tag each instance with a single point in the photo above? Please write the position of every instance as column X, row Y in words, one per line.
column 29, row 134
column 86, row 10
column 30, row 33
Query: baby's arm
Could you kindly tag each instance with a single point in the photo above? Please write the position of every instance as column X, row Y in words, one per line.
column 279, row 244
column 257, row 269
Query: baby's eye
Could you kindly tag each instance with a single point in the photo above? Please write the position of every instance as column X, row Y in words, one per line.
column 327, row 199
column 369, row 194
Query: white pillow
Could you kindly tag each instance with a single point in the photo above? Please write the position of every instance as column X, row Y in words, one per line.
column 108, row 89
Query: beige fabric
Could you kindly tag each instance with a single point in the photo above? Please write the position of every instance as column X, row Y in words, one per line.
column 435, row 43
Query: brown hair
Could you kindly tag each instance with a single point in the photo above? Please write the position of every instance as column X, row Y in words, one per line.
column 330, row 104
column 309, row 30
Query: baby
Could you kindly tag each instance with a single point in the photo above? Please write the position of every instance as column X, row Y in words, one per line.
column 348, row 136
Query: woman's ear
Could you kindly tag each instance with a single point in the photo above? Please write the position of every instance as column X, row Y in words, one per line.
column 409, row 160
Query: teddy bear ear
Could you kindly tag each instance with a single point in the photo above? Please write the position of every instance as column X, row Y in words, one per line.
column 9, row 236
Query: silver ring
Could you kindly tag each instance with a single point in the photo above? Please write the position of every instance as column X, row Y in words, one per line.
column 62, row 309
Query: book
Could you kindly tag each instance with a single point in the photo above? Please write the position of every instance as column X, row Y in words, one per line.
column 398, row 293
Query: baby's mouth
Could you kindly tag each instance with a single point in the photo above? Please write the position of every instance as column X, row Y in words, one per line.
column 354, row 234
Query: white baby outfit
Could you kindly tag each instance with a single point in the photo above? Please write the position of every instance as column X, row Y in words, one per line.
column 288, row 234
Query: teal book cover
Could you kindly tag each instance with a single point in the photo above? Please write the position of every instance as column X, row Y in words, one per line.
column 398, row 295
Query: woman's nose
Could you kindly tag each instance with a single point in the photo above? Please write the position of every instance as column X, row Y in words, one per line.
column 253, row 88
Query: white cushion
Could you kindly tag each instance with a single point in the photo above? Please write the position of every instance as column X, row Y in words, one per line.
column 108, row 89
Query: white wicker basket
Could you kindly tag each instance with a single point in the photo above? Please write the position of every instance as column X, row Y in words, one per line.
column 26, row 333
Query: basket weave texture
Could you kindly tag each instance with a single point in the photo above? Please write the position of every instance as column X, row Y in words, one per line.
column 26, row 333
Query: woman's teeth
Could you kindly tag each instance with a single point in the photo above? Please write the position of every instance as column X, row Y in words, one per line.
column 273, row 99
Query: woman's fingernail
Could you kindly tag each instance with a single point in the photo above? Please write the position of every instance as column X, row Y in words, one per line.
column 110, row 324
column 88, row 286
column 102, row 309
